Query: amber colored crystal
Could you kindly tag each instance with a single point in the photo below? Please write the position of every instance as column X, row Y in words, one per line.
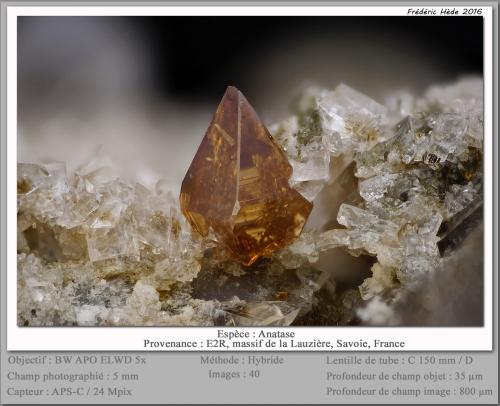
column 236, row 189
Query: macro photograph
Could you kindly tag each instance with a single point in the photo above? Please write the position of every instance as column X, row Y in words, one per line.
column 249, row 171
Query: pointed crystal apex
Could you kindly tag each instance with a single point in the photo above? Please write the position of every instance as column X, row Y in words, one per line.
column 237, row 185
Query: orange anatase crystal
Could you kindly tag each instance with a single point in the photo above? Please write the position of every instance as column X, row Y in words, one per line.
column 236, row 188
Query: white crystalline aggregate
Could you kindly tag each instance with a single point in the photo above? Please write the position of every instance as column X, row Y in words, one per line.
column 352, row 122
column 97, row 250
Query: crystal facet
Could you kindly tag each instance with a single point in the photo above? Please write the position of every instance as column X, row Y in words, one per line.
column 237, row 185
column 352, row 122
column 404, row 187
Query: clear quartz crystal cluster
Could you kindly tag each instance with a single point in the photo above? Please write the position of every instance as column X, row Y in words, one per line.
column 94, row 249
column 98, row 250
column 418, row 162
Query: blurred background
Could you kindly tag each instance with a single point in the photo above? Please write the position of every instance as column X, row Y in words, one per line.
column 145, row 87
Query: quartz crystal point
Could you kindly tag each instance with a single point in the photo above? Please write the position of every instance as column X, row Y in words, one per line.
column 352, row 122
column 97, row 249
column 237, row 189
column 301, row 138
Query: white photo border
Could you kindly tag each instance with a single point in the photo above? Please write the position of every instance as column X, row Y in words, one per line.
column 133, row 338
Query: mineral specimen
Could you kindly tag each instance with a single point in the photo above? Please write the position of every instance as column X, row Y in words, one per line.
column 95, row 249
column 237, row 185
column 420, row 181
column 352, row 122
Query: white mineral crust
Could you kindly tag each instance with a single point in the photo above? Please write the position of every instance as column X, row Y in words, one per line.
column 95, row 249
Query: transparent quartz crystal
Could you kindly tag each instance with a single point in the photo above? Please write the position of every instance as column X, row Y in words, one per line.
column 97, row 249
column 447, row 135
column 301, row 138
column 352, row 122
